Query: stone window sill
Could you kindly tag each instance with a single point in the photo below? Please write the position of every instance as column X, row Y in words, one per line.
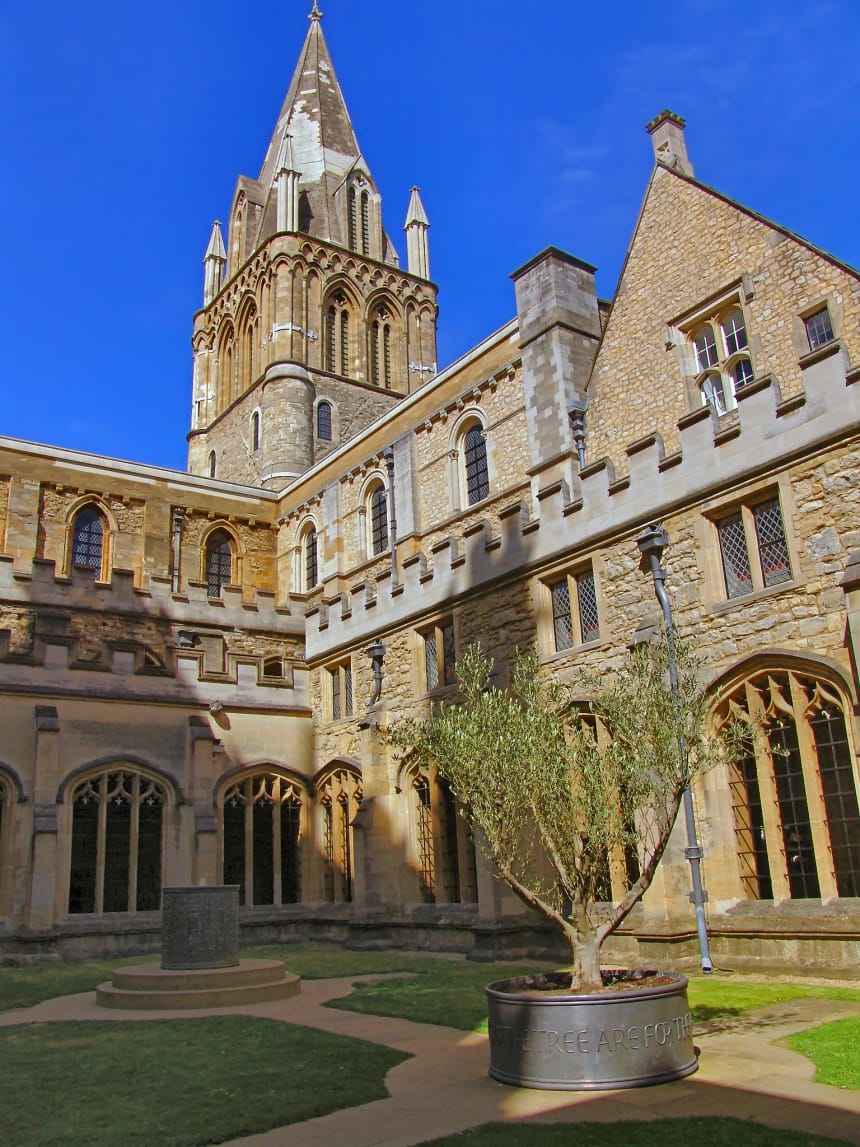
column 757, row 595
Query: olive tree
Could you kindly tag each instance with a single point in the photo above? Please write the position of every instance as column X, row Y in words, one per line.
column 555, row 786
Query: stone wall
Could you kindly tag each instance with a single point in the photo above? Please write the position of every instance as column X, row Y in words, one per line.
column 642, row 377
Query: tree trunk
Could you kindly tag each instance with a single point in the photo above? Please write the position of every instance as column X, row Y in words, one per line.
column 586, row 964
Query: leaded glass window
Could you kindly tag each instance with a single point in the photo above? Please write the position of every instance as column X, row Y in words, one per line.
column 475, row 462
column 88, row 540
column 310, row 553
column 219, row 561
column 754, row 529
column 574, row 627
column 736, row 562
column 772, row 549
column 378, row 521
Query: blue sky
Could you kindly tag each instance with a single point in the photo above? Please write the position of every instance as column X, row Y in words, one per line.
column 125, row 125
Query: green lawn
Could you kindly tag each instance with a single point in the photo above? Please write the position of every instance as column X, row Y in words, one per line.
column 834, row 1049
column 704, row 1132
column 435, row 990
column 453, row 994
column 177, row 1083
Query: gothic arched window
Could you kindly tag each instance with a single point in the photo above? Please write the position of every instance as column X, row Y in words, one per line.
column 443, row 843
column 261, row 832
column 219, row 561
column 380, row 349
column 378, row 520
column 476, row 474
column 255, row 431
column 117, row 828
column 337, row 335
column 340, row 798
column 794, row 794
column 88, row 534
column 213, row 461
column 309, row 560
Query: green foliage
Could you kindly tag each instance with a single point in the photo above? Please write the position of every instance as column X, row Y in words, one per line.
column 545, row 777
column 834, row 1049
column 708, row 1131
column 178, row 1083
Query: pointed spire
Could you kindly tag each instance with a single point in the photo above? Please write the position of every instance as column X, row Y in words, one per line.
column 416, row 212
column 324, row 147
column 417, row 247
column 213, row 262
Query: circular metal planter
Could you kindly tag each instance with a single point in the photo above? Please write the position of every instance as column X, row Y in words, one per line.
column 546, row 1037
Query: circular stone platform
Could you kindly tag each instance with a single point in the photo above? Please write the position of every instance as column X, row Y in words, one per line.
column 149, row 987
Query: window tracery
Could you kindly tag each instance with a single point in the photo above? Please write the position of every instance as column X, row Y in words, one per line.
column 794, row 793
column 340, row 798
column 117, row 831
column 261, row 825
column 722, row 358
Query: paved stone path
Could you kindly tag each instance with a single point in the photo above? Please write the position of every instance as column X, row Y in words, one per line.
column 444, row 1087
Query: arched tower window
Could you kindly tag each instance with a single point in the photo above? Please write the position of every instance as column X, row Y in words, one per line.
column 340, row 798
column 117, row 829
column 794, row 794
column 337, row 335
column 324, row 422
column 352, row 219
column 380, row 348
column 88, row 535
column 255, row 431
column 219, row 561
column 213, row 462
column 261, row 828
column 365, row 223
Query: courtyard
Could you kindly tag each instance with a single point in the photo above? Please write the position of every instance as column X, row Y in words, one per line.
column 387, row 1049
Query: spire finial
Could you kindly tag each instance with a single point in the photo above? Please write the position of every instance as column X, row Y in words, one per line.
column 315, row 12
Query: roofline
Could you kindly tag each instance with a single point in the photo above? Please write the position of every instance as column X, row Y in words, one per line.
column 510, row 328
column 139, row 470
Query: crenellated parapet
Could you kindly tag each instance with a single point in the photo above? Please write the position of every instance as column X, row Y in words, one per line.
column 115, row 639
column 567, row 519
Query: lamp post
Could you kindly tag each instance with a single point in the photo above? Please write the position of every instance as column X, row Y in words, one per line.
column 376, row 653
column 576, row 414
column 651, row 546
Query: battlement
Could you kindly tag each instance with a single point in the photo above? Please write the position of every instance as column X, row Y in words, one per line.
column 571, row 517
column 191, row 627
column 41, row 585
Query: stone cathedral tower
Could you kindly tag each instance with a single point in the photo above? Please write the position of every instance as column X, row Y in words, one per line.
column 310, row 329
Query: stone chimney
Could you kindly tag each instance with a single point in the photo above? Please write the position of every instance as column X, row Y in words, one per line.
column 667, row 136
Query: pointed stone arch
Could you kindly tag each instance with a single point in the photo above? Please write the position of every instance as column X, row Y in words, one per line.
column 90, row 536
column 339, row 793
column 794, row 790
column 263, row 812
